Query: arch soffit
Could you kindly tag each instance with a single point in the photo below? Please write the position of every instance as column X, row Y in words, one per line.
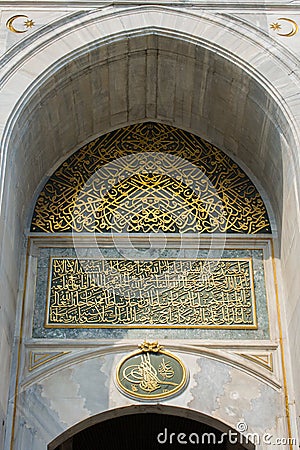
column 26, row 69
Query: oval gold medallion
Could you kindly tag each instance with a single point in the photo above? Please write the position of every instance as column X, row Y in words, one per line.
column 151, row 373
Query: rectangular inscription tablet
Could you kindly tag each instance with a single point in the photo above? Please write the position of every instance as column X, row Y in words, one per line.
column 163, row 293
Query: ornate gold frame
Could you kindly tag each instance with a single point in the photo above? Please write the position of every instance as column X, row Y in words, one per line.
column 171, row 393
column 253, row 326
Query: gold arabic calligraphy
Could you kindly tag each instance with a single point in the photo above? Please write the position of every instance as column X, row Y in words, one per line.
column 150, row 178
column 147, row 377
column 151, row 375
column 148, row 294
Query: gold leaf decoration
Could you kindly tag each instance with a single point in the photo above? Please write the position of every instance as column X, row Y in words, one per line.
column 147, row 178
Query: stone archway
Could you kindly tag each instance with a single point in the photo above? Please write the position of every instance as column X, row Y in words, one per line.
column 151, row 426
column 261, row 131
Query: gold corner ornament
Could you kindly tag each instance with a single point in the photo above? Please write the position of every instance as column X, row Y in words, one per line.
column 38, row 359
column 151, row 373
column 276, row 26
column 29, row 23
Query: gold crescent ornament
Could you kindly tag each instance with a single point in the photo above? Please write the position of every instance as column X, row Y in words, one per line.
column 277, row 26
column 10, row 24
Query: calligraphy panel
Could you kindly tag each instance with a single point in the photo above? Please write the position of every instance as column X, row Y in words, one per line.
column 162, row 293
column 147, row 178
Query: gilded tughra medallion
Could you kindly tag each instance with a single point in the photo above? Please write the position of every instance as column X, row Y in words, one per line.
column 151, row 373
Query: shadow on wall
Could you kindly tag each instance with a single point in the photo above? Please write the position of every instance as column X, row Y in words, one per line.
column 151, row 427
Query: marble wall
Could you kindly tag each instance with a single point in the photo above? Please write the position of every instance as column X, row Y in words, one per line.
column 56, row 399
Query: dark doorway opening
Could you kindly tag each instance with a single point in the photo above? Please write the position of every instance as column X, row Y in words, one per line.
column 151, row 431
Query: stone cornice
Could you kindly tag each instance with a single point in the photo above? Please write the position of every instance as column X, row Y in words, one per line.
column 235, row 6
